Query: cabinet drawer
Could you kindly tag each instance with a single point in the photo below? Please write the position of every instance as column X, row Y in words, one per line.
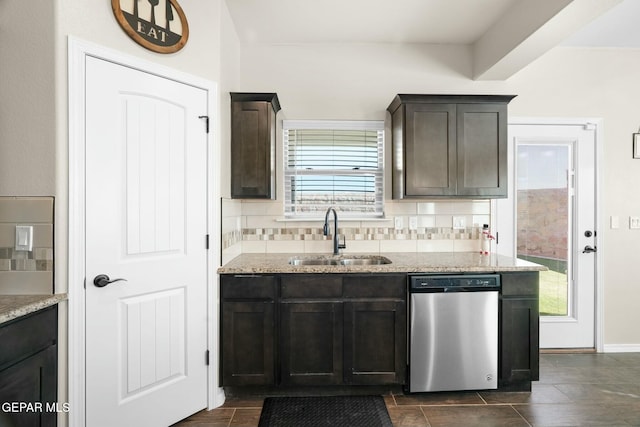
column 375, row 286
column 248, row 287
column 520, row 284
column 28, row 335
column 311, row 286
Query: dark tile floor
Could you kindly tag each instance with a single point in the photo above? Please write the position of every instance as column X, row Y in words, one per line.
column 574, row 390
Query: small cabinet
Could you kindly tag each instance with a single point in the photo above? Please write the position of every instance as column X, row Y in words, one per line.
column 28, row 368
column 519, row 337
column 449, row 146
column 253, row 145
column 248, row 330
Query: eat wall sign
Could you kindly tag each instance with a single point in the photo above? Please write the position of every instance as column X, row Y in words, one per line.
column 158, row 25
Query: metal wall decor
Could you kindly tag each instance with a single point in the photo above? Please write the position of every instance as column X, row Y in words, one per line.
column 158, row 25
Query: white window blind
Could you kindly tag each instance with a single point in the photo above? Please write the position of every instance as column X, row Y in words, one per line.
column 333, row 163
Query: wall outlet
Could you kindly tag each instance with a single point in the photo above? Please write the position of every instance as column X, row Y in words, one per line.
column 399, row 223
column 634, row 222
column 459, row 222
column 413, row 223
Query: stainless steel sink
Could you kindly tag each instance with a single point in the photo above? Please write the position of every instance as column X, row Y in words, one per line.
column 351, row 260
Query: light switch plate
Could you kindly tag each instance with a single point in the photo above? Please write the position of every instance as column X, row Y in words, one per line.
column 24, row 238
column 634, row 222
column 615, row 221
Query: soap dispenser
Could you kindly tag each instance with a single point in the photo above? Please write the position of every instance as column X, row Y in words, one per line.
column 485, row 240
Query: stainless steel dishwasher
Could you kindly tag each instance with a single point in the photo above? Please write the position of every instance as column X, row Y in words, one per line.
column 453, row 330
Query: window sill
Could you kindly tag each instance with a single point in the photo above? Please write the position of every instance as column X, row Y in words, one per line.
column 340, row 218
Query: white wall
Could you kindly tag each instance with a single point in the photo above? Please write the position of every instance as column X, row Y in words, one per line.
column 359, row 81
column 27, row 90
column 229, row 82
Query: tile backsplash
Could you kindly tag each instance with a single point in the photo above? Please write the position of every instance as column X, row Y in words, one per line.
column 26, row 272
column 258, row 226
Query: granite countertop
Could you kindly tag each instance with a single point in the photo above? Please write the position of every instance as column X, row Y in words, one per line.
column 402, row 262
column 14, row 306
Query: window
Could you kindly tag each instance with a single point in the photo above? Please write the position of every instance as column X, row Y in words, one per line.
column 333, row 163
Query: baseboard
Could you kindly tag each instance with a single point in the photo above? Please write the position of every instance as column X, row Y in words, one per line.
column 567, row 350
column 622, row 348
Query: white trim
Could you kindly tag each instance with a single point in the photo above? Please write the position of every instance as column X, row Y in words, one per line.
column 598, row 125
column 78, row 50
column 76, row 257
column 621, row 348
column 334, row 124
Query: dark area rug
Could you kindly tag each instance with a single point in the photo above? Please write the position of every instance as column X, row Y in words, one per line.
column 321, row 411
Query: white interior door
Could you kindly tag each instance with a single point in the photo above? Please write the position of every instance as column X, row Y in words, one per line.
column 550, row 218
column 146, row 223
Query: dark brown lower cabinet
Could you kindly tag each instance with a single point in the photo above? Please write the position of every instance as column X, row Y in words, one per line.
column 343, row 329
column 28, row 369
column 311, row 343
column 520, row 336
column 248, row 343
column 375, row 342
column 248, row 330
column 313, row 329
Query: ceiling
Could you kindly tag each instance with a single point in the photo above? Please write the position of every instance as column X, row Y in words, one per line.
column 504, row 35
column 617, row 27
column 364, row 21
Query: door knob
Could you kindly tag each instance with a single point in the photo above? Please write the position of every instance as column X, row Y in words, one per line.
column 589, row 249
column 102, row 280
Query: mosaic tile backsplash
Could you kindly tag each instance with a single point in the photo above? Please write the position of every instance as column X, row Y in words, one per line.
column 251, row 226
column 26, row 272
column 366, row 233
column 39, row 259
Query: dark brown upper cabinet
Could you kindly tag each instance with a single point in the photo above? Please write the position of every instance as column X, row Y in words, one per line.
column 253, row 145
column 449, row 146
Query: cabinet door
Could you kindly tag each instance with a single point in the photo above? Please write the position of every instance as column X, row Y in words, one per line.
column 482, row 150
column 31, row 381
column 247, row 343
column 311, row 343
column 375, row 342
column 519, row 348
column 430, row 150
column 252, row 150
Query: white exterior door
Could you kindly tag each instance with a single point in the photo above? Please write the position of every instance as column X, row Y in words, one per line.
column 550, row 218
column 146, row 223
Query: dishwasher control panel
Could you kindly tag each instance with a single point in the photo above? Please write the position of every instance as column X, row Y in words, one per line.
column 454, row 283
